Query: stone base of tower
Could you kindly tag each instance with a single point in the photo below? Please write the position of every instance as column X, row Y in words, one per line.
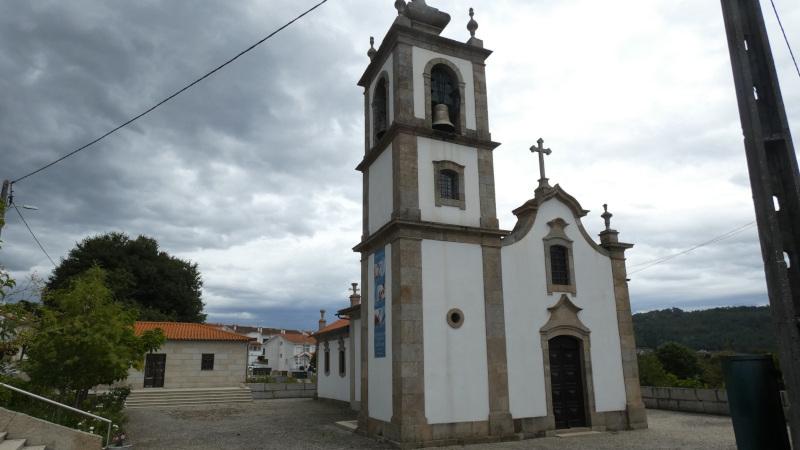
column 436, row 435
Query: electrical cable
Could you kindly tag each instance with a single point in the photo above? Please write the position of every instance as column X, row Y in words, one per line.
column 785, row 38
column 185, row 88
column 664, row 259
column 34, row 235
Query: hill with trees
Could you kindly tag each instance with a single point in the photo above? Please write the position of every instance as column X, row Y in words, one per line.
column 741, row 329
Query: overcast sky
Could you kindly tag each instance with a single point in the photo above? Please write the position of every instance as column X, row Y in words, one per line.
column 251, row 173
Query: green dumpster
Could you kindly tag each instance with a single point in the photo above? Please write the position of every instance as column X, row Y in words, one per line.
column 755, row 403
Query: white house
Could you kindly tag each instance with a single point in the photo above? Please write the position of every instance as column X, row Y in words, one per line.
column 338, row 362
column 471, row 332
column 194, row 356
column 289, row 351
column 257, row 355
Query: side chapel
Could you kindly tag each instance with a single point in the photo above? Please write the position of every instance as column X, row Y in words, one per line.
column 475, row 334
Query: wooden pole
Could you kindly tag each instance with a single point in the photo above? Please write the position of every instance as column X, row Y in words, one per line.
column 774, row 180
column 4, row 203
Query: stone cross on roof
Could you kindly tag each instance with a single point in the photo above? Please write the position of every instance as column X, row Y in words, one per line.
column 543, row 181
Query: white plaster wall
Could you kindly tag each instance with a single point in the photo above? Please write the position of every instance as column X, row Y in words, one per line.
column 526, row 302
column 420, row 58
column 272, row 353
column 332, row 385
column 428, row 151
column 182, row 369
column 381, row 199
column 456, row 377
column 355, row 328
column 380, row 369
column 388, row 67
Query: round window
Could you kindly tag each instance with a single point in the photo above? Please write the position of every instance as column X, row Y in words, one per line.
column 455, row 318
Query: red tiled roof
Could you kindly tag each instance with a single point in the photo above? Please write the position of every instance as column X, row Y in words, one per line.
column 297, row 338
column 339, row 324
column 177, row 331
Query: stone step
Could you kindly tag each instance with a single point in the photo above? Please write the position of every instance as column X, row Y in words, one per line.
column 156, row 404
column 34, row 447
column 3, row 435
column 12, row 444
column 165, row 395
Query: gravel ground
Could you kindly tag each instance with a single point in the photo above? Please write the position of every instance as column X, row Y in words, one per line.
column 308, row 424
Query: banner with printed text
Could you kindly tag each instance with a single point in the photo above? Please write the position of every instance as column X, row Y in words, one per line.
column 380, row 303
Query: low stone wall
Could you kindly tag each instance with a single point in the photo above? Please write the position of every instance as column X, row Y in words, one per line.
column 262, row 391
column 41, row 432
column 706, row 401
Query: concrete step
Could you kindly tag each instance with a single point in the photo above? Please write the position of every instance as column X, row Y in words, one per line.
column 12, row 444
column 184, row 403
column 34, row 447
column 178, row 397
column 3, row 435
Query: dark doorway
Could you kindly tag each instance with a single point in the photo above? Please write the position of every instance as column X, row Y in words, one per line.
column 154, row 366
column 566, row 381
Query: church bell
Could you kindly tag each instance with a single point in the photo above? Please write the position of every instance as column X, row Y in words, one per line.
column 441, row 118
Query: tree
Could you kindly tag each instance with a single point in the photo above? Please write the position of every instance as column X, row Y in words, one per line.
column 85, row 339
column 160, row 286
column 651, row 372
column 679, row 360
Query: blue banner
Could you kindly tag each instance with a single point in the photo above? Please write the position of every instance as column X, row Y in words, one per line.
column 380, row 303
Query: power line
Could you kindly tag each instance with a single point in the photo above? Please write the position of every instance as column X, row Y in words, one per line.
column 34, row 235
column 185, row 88
column 777, row 16
column 664, row 259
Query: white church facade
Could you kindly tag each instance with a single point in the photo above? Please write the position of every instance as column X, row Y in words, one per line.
column 472, row 333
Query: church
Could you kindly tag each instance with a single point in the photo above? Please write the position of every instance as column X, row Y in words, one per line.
column 473, row 333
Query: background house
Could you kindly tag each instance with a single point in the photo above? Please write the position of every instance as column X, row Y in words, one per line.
column 193, row 356
column 290, row 351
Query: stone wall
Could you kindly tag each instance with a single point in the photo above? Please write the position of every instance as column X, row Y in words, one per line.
column 706, row 401
column 266, row 391
column 183, row 363
column 41, row 432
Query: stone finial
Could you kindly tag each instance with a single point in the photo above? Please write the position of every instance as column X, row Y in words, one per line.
column 371, row 52
column 607, row 217
column 322, row 321
column 355, row 297
column 400, row 6
column 472, row 26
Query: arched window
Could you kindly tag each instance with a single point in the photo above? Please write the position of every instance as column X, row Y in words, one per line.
column 445, row 91
column 380, row 117
column 448, row 185
column 559, row 265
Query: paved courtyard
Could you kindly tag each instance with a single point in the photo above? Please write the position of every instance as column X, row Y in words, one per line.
column 308, row 424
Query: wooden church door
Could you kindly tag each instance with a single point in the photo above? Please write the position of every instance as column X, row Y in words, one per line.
column 566, row 382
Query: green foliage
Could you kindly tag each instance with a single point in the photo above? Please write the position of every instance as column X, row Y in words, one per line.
column 651, row 372
column 16, row 329
column 679, row 360
column 160, row 286
column 85, row 339
column 744, row 329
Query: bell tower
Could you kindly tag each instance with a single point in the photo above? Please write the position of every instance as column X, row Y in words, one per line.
column 434, row 361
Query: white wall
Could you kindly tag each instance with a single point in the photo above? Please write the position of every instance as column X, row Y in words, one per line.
column 182, row 369
column 456, row 377
column 380, row 369
column 381, row 198
column 428, row 151
column 332, row 385
column 389, row 68
column 420, row 58
column 526, row 302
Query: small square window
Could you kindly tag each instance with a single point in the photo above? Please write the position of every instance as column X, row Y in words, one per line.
column 448, row 179
column 207, row 362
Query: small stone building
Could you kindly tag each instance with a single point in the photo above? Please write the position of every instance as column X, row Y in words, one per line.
column 194, row 356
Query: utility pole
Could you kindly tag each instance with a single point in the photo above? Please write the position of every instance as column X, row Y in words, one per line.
column 4, row 203
column 774, row 179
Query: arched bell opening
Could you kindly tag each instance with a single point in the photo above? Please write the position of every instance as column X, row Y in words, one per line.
column 445, row 99
column 380, row 109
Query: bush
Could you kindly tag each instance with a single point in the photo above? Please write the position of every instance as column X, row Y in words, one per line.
column 679, row 360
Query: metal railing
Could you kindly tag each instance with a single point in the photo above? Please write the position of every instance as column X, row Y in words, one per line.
column 68, row 408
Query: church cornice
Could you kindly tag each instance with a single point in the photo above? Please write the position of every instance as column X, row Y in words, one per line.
column 422, row 131
column 410, row 229
column 401, row 32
